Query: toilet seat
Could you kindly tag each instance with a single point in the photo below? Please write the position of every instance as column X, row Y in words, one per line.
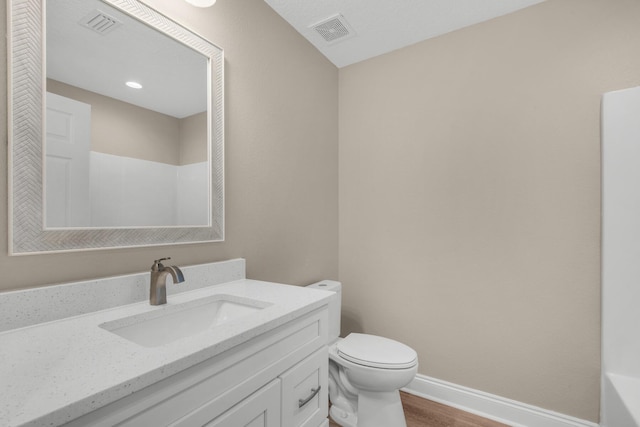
column 376, row 352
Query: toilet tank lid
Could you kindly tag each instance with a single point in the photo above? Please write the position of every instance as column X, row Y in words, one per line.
column 377, row 352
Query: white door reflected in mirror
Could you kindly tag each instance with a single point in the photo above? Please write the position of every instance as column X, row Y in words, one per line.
column 67, row 162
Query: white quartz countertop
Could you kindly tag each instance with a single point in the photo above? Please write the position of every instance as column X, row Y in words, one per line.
column 53, row 372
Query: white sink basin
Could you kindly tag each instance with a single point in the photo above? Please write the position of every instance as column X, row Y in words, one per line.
column 173, row 322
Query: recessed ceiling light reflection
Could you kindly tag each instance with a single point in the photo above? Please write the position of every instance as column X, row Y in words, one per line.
column 201, row 3
column 134, row 85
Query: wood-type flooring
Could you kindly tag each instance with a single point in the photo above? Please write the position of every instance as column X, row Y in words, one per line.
column 421, row 412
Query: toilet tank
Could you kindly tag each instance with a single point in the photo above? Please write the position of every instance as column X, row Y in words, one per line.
column 335, row 306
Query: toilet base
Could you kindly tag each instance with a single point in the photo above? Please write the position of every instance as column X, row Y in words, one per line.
column 375, row 409
column 343, row 418
column 380, row 409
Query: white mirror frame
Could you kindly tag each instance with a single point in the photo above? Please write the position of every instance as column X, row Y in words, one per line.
column 26, row 89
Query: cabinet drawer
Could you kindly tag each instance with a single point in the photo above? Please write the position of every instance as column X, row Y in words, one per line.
column 304, row 391
column 261, row 409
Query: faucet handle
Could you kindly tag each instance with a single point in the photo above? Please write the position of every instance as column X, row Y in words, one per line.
column 157, row 264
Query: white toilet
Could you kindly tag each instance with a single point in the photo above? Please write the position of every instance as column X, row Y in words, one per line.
column 365, row 373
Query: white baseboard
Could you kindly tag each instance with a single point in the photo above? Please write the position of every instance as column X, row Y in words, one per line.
column 507, row 411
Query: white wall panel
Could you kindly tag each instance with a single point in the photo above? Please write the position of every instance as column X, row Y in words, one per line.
column 133, row 192
column 193, row 191
column 621, row 258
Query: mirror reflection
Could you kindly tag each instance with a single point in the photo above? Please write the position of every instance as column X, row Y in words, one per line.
column 126, row 122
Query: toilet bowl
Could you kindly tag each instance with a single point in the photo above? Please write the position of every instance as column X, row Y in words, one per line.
column 365, row 373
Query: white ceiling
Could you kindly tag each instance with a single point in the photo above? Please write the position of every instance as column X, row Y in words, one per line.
column 80, row 57
column 174, row 77
column 382, row 26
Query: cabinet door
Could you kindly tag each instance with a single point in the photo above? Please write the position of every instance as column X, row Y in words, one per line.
column 261, row 409
column 305, row 392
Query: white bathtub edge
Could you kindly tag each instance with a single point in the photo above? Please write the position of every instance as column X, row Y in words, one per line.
column 621, row 401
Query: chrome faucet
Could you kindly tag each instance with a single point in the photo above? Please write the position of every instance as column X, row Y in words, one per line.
column 158, row 289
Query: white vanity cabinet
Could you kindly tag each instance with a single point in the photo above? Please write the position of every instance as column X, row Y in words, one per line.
column 261, row 409
column 278, row 378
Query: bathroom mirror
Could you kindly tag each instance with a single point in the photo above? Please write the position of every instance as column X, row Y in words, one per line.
column 150, row 160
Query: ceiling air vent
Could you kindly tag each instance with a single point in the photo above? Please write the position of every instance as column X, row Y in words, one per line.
column 100, row 22
column 334, row 29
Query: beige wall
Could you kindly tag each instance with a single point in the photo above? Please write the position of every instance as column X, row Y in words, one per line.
column 124, row 129
column 281, row 151
column 470, row 198
column 193, row 137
